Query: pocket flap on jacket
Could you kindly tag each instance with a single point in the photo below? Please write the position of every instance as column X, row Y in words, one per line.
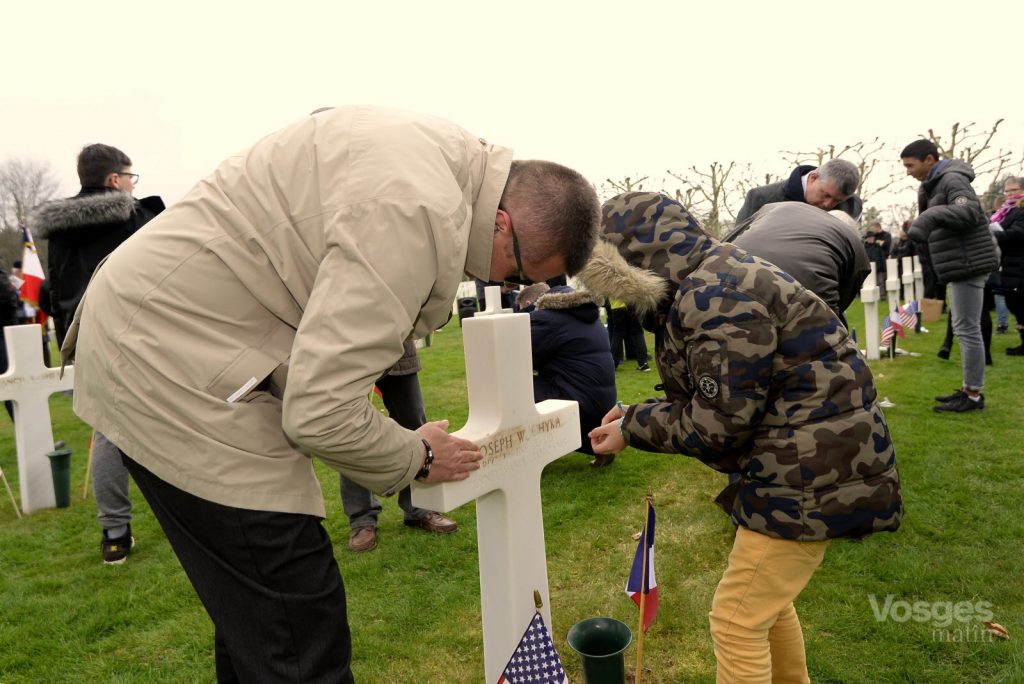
column 243, row 374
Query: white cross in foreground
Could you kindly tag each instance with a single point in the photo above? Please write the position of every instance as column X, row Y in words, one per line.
column 518, row 439
column 29, row 384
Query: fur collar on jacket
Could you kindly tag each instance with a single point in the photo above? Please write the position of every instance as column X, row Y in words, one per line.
column 569, row 300
column 649, row 241
column 81, row 211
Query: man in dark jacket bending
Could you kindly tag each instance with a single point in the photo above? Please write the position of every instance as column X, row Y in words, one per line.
column 832, row 186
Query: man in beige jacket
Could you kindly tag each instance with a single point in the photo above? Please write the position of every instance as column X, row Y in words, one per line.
column 240, row 332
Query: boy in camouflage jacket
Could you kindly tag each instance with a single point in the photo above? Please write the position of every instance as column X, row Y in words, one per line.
column 761, row 379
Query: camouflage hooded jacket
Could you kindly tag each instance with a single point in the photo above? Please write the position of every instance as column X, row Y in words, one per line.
column 760, row 377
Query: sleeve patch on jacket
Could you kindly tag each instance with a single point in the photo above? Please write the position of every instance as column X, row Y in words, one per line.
column 960, row 201
column 708, row 366
column 708, row 386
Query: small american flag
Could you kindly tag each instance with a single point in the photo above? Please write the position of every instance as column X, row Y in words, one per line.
column 535, row 659
column 889, row 329
column 908, row 315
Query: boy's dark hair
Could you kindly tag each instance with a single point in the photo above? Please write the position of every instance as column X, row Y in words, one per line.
column 96, row 162
column 920, row 149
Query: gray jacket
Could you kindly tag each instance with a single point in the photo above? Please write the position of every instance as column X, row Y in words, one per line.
column 824, row 255
column 953, row 224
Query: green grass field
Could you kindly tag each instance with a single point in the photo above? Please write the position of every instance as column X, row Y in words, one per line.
column 414, row 604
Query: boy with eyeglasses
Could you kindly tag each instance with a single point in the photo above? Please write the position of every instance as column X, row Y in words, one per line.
column 81, row 231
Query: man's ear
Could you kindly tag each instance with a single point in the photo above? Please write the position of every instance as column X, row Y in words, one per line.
column 502, row 221
column 112, row 181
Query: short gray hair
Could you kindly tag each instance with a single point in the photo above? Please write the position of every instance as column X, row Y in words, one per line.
column 841, row 172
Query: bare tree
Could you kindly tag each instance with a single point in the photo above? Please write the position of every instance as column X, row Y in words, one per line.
column 612, row 187
column 864, row 155
column 708, row 195
column 23, row 185
column 976, row 148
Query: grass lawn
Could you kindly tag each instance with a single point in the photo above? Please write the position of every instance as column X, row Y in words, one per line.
column 414, row 604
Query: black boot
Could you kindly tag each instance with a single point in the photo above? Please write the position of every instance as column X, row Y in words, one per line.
column 1017, row 351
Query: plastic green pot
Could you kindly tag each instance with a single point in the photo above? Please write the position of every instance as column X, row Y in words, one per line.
column 601, row 642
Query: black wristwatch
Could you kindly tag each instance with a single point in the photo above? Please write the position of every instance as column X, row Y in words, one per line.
column 424, row 472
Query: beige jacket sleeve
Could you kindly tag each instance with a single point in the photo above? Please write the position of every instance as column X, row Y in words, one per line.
column 364, row 302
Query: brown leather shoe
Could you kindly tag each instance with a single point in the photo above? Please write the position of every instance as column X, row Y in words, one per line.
column 362, row 539
column 434, row 522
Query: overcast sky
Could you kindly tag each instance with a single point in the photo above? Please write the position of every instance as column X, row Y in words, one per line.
column 612, row 89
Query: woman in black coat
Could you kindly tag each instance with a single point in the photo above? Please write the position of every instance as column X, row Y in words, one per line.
column 1011, row 242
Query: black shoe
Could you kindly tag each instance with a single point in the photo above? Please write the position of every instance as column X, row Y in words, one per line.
column 949, row 397
column 644, row 368
column 1001, row 330
column 1015, row 351
column 944, row 353
column 962, row 404
column 115, row 551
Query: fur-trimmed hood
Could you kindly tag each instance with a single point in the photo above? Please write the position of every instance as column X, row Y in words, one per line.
column 85, row 210
column 649, row 241
column 579, row 304
column 567, row 298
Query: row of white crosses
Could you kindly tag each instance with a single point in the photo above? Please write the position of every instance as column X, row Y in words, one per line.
column 913, row 289
column 28, row 383
column 518, row 437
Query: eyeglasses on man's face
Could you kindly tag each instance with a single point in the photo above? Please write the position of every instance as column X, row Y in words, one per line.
column 520, row 279
column 133, row 176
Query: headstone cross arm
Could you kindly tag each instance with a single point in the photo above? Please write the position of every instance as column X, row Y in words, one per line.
column 29, row 384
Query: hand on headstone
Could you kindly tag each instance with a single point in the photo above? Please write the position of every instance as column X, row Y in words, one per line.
column 454, row 458
column 608, row 438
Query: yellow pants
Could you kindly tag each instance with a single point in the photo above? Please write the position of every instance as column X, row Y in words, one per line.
column 754, row 625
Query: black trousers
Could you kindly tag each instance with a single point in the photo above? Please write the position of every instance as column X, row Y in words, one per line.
column 268, row 580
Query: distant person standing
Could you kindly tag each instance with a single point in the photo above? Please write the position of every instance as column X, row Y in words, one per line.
column 81, row 231
column 625, row 331
column 955, row 227
column 877, row 242
column 832, row 186
column 10, row 311
column 1010, row 216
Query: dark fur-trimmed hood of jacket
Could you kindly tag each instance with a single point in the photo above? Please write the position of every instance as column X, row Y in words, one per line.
column 568, row 300
column 81, row 212
column 649, row 241
column 580, row 304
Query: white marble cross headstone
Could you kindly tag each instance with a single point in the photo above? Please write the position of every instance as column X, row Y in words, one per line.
column 518, row 439
column 918, row 281
column 869, row 297
column 892, row 286
column 29, row 384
